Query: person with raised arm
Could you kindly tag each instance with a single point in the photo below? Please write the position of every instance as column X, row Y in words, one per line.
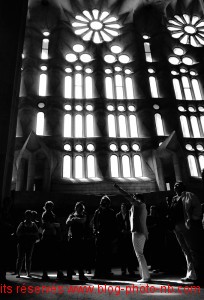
column 138, row 227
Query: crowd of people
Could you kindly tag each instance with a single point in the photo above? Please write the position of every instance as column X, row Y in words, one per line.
column 132, row 227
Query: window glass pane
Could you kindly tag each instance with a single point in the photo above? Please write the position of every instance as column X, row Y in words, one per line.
column 122, row 126
column 78, row 126
column 129, row 88
column 67, row 167
column 109, row 87
column 78, row 167
column 119, row 87
column 192, row 165
column 133, row 126
column 89, row 87
column 148, row 52
column 201, row 162
column 195, row 128
column 185, row 82
column 111, row 126
column 68, row 87
column 67, row 125
column 78, row 86
column 159, row 124
column 202, row 122
column 147, row 47
column 186, row 86
column 44, row 54
column 91, row 173
column 40, row 123
column 153, row 87
column 184, row 126
column 196, row 89
column 43, row 85
column 177, row 89
column 137, row 166
column 114, row 166
column 89, row 126
column 126, row 166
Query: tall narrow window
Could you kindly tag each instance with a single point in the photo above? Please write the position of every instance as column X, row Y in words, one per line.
column 177, row 89
column 122, row 126
column 44, row 53
column 148, row 54
column 89, row 126
column 195, row 127
column 201, row 162
column 109, row 87
column 43, row 85
column 129, row 88
column 137, row 166
column 78, row 86
column 184, row 126
column 196, row 89
column 40, row 123
column 114, row 166
column 192, row 165
column 78, row 126
column 202, row 122
column 133, row 126
column 126, row 166
column 91, row 168
column 186, row 87
column 67, row 125
column 153, row 87
column 67, row 166
column 78, row 167
column 159, row 124
column 68, row 87
column 119, row 87
column 111, row 126
column 89, row 87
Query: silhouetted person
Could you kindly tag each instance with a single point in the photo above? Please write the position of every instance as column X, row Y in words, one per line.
column 27, row 234
column 76, row 223
column 125, row 240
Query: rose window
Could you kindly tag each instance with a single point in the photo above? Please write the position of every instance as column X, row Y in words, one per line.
column 189, row 30
column 96, row 26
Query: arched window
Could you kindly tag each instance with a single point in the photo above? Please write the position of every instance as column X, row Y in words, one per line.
column 68, row 87
column 91, row 168
column 111, row 126
column 67, row 166
column 43, row 85
column 196, row 89
column 153, row 87
column 89, row 126
column 78, row 126
column 40, row 123
column 67, row 125
column 137, row 165
column 119, row 87
column 192, row 166
column 133, row 126
column 177, row 89
column 44, row 53
column 201, row 162
column 79, row 167
column 109, row 87
column 122, row 126
column 148, row 54
column 126, row 166
column 159, row 124
column 88, row 87
column 186, row 88
column 114, row 166
column 184, row 126
column 129, row 88
column 78, row 86
column 195, row 127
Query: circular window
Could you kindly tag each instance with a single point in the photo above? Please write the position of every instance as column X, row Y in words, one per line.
column 156, row 106
column 131, row 108
column 146, row 37
column 181, row 108
column 121, row 108
column 78, row 107
column 189, row 29
column 135, row 147
column 116, row 49
column 151, row 71
column 78, row 148
column 109, row 58
column 174, row 73
column 68, row 70
column 189, row 147
column 67, row 107
column 178, row 51
column 67, row 147
column 124, row 147
column 174, row 60
column 108, row 71
column 193, row 73
column 46, row 33
column 124, row 59
column 88, row 70
column 78, row 68
column 118, row 69
column 85, row 58
column 110, row 108
column 191, row 109
column 187, row 61
column 43, row 68
column 128, row 71
column 71, row 57
column 90, row 147
column 113, row 147
column 78, row 48
column 89, row 107
column 201, row 108
column 41, row 105
column 182, row 70
column 96, row 25
column 199, row 147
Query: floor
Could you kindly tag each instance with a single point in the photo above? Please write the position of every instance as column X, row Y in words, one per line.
column 161, row 287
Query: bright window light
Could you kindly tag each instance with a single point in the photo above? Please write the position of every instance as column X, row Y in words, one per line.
column 111, row 126
column 202, row 122
column 67, row 167
column 40, row 123
column 126, row 166
column 78, row 126
column 78, row 167
column 137, row 166
column 122, row 126
column 119, row 87
column 201, row 162
column 67, row 125
column 44, row 53
column 186, row 87
column 159, row 124
column 43, row 85
column 177, row 89
column 195, row 127
column 133, row 126
column 109, row 87
column 184, row 126
column 91, row 168
column 68, row 87
column 89, row 87
column 153, row 87
column 129, row 88
column 114, row 166
column 196, row 89
column 89, row 126
column 78, row 86
column 148, row 52
column 192, row 166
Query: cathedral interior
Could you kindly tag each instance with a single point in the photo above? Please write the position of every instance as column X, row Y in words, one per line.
column 100, row 92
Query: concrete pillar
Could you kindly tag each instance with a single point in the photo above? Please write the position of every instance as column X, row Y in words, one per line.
column 31, row 173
